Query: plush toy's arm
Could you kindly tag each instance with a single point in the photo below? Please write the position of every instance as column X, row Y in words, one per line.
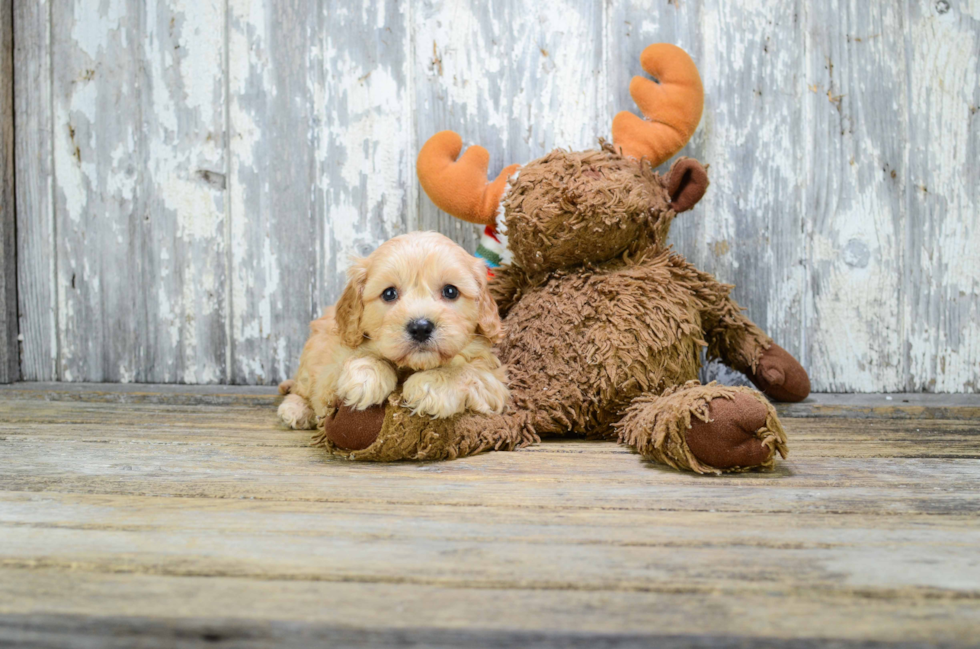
column 731, row 336
column 741, row 344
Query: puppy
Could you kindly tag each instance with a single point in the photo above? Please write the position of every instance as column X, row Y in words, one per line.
column 416, row 310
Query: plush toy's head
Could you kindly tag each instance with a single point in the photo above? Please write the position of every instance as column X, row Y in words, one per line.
column 570, row 208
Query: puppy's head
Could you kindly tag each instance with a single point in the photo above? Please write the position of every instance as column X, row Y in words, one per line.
column 418, row 299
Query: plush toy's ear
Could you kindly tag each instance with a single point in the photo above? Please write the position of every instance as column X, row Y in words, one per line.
column 687, row 181
column 351, row 305
column 458, row 184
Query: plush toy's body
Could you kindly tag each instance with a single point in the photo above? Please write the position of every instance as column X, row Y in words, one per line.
column 603, row 323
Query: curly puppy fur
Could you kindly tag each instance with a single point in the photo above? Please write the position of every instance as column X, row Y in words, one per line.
column 364, row 346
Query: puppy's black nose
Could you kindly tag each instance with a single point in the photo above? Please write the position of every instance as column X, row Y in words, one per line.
column 420, row 330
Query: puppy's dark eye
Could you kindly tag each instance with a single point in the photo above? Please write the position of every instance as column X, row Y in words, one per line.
column 450, row 292
column 390, row 294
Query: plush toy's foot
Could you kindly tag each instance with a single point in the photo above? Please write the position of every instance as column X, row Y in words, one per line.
column 391, row 432
column 728, row 439
column 781, row 376
column 353, row 430
column 705, row 428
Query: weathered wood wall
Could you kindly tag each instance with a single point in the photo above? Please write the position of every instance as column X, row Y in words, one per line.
column 192, row 176
column 9, row 361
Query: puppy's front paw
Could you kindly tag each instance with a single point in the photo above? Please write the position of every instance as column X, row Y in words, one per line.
column 365, row 382
column 487, row 394
column 433, row 393
column 296, row 413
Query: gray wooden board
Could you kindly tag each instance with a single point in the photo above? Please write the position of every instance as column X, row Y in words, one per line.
column 273, row 53
column 124, row 632
column 204, row 170
column 138, row 135
column 9, row 353
column 184, row 524
column 941, row 273
column 37, row 244
column 857, row 105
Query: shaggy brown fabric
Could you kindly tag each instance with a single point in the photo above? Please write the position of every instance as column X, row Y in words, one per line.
column 659, row 427
column 571, row 208
column 400, row 435
column 603, row 329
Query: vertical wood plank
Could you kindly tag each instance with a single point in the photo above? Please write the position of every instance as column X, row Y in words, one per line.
column 367, row 153
column 183, row 189
column 856, row 112
column 138, row 122
column 9, row 354
column 519, row 78
column 96, row 140
column 942, row 234
column 748, row 229
column 36, row 240
column 273, row 54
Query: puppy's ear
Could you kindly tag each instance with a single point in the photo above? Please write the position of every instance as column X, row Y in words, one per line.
column 488, row 317
column 350, row 307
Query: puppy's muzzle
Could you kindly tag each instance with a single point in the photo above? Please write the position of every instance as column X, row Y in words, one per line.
column 420, row 330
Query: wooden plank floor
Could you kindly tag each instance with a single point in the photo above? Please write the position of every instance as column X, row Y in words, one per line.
column 178, row 516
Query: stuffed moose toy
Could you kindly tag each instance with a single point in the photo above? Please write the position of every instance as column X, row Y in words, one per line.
column 603, row 323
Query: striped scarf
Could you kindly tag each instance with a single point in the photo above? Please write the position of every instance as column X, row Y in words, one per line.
column 492, row 248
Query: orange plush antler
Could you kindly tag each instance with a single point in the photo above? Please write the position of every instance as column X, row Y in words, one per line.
column 460, row 186
column 672, row 106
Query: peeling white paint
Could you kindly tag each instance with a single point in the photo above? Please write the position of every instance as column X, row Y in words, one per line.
column 944, row 344
column 89, row 32
column 874, row 281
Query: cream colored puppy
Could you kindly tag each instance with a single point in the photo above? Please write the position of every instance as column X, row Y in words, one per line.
column 418, row 310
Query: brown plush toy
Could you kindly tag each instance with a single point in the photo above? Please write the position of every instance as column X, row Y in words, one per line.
column 603, row 322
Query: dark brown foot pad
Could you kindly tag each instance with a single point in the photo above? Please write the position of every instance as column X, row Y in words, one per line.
column 729, row 439
column 354, row 430
column 781, row 376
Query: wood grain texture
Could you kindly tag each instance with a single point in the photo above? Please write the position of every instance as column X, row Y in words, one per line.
column 97, row 206
column 941, row 275
column 301, row 613
column 138, row 123
column 187, row 522
column 857, row 108
column 273, row 58
column 37, row 244
column 842, row 141
column 9, row 353
column 183, row 168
